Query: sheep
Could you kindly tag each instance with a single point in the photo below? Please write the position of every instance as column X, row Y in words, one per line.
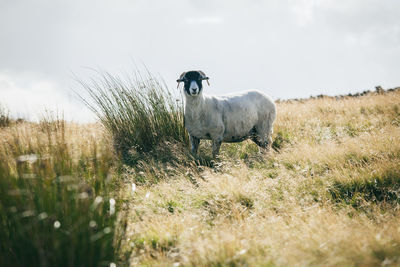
column 230, row 118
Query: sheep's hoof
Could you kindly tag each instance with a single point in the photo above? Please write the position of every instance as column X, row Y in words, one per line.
column 217, row 166
column 194, row 154
column 264, row 150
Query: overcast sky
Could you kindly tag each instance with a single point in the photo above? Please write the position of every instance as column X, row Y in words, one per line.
column 286, row 48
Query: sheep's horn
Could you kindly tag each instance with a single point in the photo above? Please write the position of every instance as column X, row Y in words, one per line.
column 181, row 79
column 204, row 77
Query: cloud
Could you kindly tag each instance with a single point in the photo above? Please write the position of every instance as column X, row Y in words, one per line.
column 28, row 95
column 290, row 48
column 204, row 20
column 303, row 11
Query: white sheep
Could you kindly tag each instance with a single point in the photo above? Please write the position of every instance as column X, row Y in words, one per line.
column 230, row 118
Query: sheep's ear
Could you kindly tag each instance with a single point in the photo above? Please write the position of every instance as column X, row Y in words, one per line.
column 180, row 79
column 204, row 76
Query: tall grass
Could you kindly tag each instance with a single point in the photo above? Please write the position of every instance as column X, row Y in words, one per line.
column 53, row 221
column 140, row 112
column 55, row 204
column 4, row 117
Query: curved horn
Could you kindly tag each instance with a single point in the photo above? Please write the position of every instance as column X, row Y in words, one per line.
column 181, row 78
column 204, row 77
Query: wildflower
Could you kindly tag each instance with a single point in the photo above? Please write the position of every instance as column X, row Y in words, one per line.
column 112, row 206
column 57, row 224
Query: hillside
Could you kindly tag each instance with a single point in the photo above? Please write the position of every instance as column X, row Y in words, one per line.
column 328, row 194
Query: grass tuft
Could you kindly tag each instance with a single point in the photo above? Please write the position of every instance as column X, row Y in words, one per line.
column 384, row 188
column 55, row 205
column 281, row 139
column 140, row 113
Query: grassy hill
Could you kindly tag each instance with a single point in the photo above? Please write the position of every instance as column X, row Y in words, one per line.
column 328, row 194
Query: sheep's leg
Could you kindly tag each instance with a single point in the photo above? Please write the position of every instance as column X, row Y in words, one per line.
column 268, row 142
column 256, row 137
column 270, row 129
column 194, row 144
column 263, row 146
column 264, row 141
column 216, row 144
column 262, row 136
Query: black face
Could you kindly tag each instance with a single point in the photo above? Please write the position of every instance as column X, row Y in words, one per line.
column 192, row 76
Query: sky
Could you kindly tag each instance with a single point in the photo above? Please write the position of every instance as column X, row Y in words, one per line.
column 285, row 48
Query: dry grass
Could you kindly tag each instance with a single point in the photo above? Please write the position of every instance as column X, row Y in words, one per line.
column 327, row 198
column 328, row 195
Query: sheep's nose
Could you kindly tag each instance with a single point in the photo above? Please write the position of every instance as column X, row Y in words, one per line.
column 193, row 87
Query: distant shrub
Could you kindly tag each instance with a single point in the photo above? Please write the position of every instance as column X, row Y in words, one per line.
column 140, row 112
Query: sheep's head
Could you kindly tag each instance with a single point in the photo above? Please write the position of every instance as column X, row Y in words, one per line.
column 193, row 81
